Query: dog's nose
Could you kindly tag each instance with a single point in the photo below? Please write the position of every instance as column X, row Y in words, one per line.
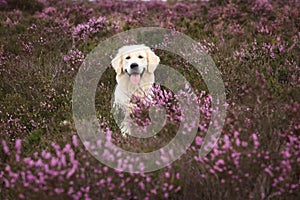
column 134, row 65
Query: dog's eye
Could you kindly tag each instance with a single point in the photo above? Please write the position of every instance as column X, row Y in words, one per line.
column 127, row 58
column 140, row 57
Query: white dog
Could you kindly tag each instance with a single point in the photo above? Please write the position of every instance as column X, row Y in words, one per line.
column 134, row 66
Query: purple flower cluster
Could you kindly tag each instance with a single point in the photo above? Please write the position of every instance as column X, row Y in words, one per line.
column 3, row 2
column 94, row 25
column 46, row 13
column 58, row 171
column 161, row 97
column 74, row 57
column 10, row 125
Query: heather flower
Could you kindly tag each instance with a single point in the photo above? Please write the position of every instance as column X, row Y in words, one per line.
column 3, row 3
column 8, row 21
column 27, row 47
column 198, row 140
column 5, row 147
column 75, row 140
column 49, row 10
column 18, row 149
column 268, row 171
column 94, row 25
column 74, row 57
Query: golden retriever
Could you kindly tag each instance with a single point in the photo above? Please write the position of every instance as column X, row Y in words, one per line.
column 134, row 66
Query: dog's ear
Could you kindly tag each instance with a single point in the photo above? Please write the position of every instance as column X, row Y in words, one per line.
column 117, row 64
column 153, row 61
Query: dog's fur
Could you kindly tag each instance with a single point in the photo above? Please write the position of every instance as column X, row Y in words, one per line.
column 134, row 79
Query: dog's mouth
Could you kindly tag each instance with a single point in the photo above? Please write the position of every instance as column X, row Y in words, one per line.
column 135, row 77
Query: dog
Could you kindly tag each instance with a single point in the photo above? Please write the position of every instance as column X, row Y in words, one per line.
column 134, row 66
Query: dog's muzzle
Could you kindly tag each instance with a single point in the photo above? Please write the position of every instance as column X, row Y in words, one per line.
column 134, row 75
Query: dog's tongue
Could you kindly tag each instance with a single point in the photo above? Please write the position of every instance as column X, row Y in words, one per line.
column 135, row 78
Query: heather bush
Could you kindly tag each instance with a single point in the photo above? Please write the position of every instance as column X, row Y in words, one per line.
column 255, row 45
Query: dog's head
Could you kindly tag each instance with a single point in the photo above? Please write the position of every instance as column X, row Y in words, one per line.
column 134, row 61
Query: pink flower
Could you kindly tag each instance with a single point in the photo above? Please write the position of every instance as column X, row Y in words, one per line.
column 199, row 140
column 166, row 195
column 286, row 154
column 220, row 162
column 8, row 21
column 237, row 142
column 177, row 175
column 58, row 190
column 268, row 171
column 244, row 144
column 3, row 2
column 54, row 161
column 236, row 134
column 5, row 147
column 49, row 10
column 18, row 144
column 167, row 174
column 74, row 140
column 94, row 25
column 255, row 140
column 142, row 185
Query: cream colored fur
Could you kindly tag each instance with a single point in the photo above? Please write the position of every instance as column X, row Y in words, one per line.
column 147, row 62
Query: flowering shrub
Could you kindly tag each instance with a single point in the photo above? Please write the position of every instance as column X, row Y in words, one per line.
column 255, row 45
column 94, row 25
column 74, row 57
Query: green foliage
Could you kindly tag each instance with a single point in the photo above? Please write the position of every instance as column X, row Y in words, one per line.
column 34, row 137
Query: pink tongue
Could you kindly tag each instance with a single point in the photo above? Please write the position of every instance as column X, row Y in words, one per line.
column 135, row 78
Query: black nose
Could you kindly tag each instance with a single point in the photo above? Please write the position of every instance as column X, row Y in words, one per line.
column 134, row 65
